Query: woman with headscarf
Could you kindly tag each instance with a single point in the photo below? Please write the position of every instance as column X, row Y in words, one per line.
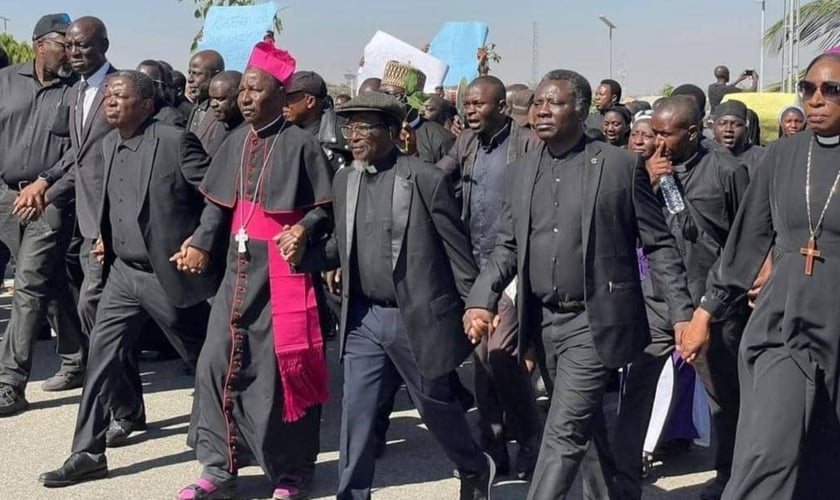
column 791, row 121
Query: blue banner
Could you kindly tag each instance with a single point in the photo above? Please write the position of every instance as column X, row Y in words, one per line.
column 233, row 31
column 457, row 44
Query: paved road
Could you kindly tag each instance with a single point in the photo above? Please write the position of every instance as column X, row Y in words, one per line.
column 159, row 462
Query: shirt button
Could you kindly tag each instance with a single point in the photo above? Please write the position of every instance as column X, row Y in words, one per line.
column 554, row 288
column 556, row 230
column 554, row 259
column 556, row 179
column 556, row 203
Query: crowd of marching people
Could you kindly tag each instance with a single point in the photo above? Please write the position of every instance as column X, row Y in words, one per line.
column 243, row 220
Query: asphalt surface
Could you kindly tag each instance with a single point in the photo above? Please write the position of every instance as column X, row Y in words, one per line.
column 158, row 462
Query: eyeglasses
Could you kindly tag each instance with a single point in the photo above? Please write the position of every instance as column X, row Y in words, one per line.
column 829, row 90
column 362, row 131
column 61, row 45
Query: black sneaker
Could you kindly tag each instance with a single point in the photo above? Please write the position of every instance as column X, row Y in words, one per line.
column 119, row 431
column 477, row 486
column 11, row 401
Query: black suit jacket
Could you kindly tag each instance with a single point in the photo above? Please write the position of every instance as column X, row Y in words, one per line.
column 172, row 167
column 79, row 173
column 432, row 262
column 619, row 209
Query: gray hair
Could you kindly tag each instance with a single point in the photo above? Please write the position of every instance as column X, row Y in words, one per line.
column 142, row 86
column 578, row 85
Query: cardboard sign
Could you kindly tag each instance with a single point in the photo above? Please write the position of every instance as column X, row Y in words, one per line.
column 384, row 47
column 233, row 31
column 457, row 45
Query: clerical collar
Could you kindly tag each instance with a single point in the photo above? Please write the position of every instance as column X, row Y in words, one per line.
column 270, row 128
column 382, row 165
column 692, row 160
column 828, row 141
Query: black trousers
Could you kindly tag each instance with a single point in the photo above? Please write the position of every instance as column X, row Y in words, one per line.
column 129, row 298
column 41, row 290
column 575, row 434
column 631, row 426
column 503, row 385
column 376, row 353
column 719, row 372
column 92, row 284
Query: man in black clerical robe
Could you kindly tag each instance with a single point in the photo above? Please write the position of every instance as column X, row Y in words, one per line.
column 573, row 213
column 150, row 207
column 789, row 429
column 262, row 372
column 712, row 184
column 730, row 130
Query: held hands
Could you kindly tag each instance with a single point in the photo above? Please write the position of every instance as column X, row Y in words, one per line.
column 31, row 202
column 291, row 243
column 190, row 259
column 98, row 250
column 478, row 323
column 693, row 341
column 658, row 165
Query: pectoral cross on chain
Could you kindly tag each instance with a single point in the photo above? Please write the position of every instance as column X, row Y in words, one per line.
column 241, row 240
column 810, row 252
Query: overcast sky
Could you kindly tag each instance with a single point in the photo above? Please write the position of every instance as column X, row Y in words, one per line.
column 656, row 41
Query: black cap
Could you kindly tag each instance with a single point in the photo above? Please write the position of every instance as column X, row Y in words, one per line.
column 375, row 102
column 309, row 82
column 51, row 23
column 730, row 108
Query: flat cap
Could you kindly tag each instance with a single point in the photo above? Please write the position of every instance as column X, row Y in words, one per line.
column 730, row 108
column 51, row 23
column 375, row 102
column 309, row 82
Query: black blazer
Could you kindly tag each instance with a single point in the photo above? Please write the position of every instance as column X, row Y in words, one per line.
column 172, row 167
column 83, row 161
column 619, row 209
column 431, row 258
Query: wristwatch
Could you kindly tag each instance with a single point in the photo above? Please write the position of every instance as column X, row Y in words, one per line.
column 47, row 177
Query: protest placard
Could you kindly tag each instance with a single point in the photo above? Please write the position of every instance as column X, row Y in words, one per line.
column 384, row 47
column 457, row 45
column 233, row 31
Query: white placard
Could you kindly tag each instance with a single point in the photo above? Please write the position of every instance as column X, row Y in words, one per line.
column 384, row 47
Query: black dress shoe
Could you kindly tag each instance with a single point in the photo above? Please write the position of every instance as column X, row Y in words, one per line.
column 119, row 431
column 477, row 486
column 78, row 468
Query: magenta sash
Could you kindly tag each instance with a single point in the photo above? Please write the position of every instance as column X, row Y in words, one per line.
column 298, row 343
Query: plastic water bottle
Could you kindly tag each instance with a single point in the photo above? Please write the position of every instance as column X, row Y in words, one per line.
column 671, row 193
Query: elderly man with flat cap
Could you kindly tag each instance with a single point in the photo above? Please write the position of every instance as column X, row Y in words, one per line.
column 406, row 266
column 34, row 134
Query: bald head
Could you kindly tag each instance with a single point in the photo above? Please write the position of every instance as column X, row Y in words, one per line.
column 87, row 43
column 722, row 74
column 370, row 85
column 676, row 123
column 682, row 108
column 204, row 65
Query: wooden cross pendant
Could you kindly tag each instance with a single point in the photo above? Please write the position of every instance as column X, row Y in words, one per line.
column 810, row 253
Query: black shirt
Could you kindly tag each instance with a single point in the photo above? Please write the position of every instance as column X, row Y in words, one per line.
column 34, row 123
column 488, row 193
column 718, row 90
column 374, row 276
column 556, row 232
column 124, row 199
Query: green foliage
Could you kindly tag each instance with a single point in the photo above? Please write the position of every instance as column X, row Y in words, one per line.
column 18, row 52
column 203, row 6
column 667, row 90
column 819, row 25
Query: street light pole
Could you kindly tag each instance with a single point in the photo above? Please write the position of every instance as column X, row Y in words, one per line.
column 5, row 23
column 761, row 47
column 611, row 27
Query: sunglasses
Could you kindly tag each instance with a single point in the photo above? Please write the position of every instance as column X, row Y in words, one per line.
column 829, row 90
column 362, row 131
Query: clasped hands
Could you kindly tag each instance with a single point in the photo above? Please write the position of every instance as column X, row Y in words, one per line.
column 190, row 259
column 32, row 201
column 479, row 322
column 291, row 243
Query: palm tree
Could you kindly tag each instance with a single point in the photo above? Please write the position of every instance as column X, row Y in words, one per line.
column 819, row 24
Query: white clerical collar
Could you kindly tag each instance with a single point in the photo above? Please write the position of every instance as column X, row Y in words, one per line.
column 95, row 80
column 274, row 122
column 828, row 141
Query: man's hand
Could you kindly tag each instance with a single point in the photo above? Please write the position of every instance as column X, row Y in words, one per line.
column 408, row 140
column 333, row 279
column 658, row 165
column 760, row 280
column 679, row 328
column 478, row 322
column 31, row 202
column 291, row 243
column 190, row 259
column 694, row 340
column 457, row 127
column 98, row 250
